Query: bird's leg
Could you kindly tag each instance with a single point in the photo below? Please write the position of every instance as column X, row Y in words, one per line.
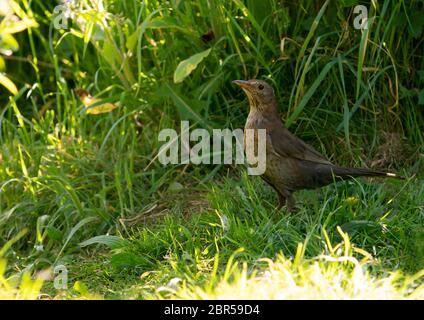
column 281, row 201
column 286, row 197
column 281, row 196
column 291, row 202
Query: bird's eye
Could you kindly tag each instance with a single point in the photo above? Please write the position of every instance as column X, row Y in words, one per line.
column 261, row 87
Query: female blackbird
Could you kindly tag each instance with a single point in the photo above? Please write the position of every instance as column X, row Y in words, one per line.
column 291, row 164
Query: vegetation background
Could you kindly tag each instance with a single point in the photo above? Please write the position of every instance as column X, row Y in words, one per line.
column 80, row 187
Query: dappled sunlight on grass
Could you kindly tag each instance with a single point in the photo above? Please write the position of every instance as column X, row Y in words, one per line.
column 321, row 278
column 346, row 272
column 25, row 289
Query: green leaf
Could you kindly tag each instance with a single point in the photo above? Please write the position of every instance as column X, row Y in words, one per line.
column 361, row 58
column 185, row 109
column 8, row 84
column 9, row 243
column 260, row 9
column 87, row 36
column 78, row 226
column 356, row 225
column 132, row 40
column 112, row 242
column 421, row 97
column 8, row 42
column 417, row 24
column 421, row 75
column 187, row 66
column 308, row 95
column 348, row 3
column 17, row 26
column 110, row 53
column 129, row 259
column 311, row 33
column 54, row 233
column 163, row 22
column 2, row 64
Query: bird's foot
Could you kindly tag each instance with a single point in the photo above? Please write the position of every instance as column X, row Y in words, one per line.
column 287, row 208
column 289, row 202
column 292, row 209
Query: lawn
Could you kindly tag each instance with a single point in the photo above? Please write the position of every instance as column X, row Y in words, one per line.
column 88, row 212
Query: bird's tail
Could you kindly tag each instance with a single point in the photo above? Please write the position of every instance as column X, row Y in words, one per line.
column 346, row 173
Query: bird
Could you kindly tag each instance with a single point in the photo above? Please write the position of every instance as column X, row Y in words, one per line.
column 291, row 164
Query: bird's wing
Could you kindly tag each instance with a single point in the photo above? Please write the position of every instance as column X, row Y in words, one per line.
column 286, row 144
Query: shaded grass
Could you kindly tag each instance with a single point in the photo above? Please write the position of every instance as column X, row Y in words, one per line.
column 381, row 228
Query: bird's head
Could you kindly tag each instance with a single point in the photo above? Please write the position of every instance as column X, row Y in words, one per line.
column 260, row 94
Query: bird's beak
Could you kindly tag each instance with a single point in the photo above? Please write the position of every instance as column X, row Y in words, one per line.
column 242, row 84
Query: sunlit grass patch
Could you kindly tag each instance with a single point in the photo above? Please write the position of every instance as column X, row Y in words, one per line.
column 19, row 289
column 321, row 278
column 15, row 286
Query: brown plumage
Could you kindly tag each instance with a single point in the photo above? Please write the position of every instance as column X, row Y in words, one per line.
column 291, row 164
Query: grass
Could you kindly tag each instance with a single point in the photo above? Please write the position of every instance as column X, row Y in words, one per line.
column 89, row 195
